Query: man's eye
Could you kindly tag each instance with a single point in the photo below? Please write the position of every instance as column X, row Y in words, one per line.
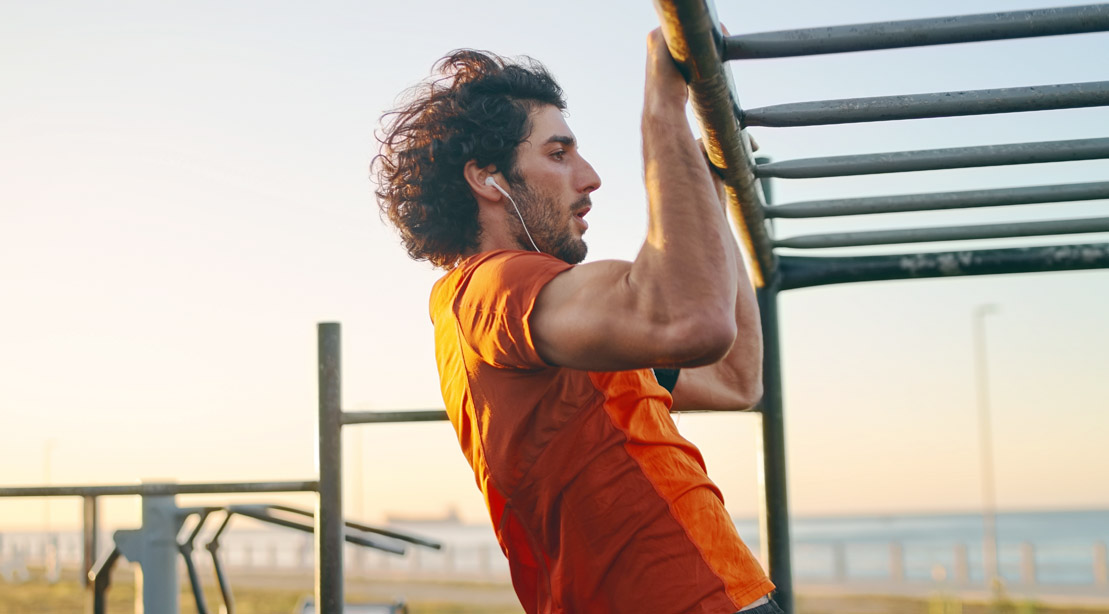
column 559, row 155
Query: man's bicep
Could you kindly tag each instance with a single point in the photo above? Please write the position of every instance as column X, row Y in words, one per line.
column 587, row 318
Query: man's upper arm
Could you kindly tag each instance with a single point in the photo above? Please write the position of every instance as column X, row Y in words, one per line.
column 595, row 316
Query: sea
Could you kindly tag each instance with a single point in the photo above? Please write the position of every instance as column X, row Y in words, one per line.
column 1062, row 547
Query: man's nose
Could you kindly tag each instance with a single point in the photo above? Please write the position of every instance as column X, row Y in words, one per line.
column 591, row 181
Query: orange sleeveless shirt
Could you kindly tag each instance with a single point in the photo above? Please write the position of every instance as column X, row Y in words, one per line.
column 596, row 500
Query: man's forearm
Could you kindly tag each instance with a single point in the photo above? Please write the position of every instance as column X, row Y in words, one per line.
column 741, row 368
column 682, row 265
column 746, row 355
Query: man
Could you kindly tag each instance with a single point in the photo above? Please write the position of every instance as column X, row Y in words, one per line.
column 546, row 365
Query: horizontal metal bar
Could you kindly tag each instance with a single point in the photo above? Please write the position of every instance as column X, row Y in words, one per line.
column 412, row 539
column 378, row 417
column 938, row 159
column 942, row 200
column 918, row 32
column 805, row 272
column 956, row 233
column 158, row 489
column 919, row 106
column 259, row 513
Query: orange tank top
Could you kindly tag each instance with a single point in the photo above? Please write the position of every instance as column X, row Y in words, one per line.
column 598, row 502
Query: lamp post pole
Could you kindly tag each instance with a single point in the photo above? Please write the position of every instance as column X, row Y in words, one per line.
column 985, row 447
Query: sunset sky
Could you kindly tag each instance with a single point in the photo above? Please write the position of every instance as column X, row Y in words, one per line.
column 184, row 194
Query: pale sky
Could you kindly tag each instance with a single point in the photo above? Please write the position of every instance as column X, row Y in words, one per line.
column 184, row 194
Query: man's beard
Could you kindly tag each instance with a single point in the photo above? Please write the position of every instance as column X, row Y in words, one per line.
column 550, row 231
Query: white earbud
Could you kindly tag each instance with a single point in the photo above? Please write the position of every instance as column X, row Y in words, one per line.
column 490, row 181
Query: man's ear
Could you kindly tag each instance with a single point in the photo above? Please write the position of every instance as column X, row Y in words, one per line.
column 476, row 177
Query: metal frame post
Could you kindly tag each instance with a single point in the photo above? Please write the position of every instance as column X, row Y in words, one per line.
column 156, row 580
column 89, row 538
column 773, row 501
column 329, row 534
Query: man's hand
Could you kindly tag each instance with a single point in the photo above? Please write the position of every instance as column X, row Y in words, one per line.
column 665, row 84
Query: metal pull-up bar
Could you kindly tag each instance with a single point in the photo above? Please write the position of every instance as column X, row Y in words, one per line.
column 922, row 106
column 943, row 200
column 938, row 159
column 800, row 272
column 917, row 32
column 947, row 233
column 698, row 45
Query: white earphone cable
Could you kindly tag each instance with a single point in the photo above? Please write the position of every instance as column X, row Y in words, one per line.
column 492, row 182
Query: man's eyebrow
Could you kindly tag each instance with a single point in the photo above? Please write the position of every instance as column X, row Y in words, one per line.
column 565, row 140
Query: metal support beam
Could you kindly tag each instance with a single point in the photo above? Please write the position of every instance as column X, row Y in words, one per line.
column 956, row 233
column 942, row 200
column 221, row 578
column 919, row 106
column 412, row 539
column 805, row 272
column 938, row 159
column 918, row 32
column 186, row 549
column 101, row 579
column 693, row 35
column 261, row 513
column 329, row 501
column 90, row 529
column 773, row 501
column 155, row 489
column 156, row 581
column 381, row 417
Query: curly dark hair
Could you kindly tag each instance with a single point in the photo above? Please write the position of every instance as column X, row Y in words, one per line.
column 476, row 109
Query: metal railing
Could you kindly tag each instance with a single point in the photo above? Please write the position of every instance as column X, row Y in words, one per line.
column 162, row 537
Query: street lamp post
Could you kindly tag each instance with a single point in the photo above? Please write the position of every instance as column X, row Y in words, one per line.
column 985, row 438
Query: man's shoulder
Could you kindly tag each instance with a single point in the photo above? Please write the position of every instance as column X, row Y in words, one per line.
column 490, row 273
column 509, row 259
column 503, row 267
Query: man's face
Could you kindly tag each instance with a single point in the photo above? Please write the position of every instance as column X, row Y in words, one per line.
column 554, row 195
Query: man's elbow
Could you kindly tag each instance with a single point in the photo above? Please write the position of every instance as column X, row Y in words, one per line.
column 749, row 395
column 701, row 341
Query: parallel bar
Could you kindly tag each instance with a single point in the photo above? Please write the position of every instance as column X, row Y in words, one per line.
column 363, row 527
column 958, row 233
column 942, row 200
column 379, row 417
column 918, row 32
column 329, row 502
column 259, row 513
column 805, row 272
column 773, row 499
column 918, row 106
column 692, row 34
column 158, row 489
column 938, row 159
column 101, row 579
